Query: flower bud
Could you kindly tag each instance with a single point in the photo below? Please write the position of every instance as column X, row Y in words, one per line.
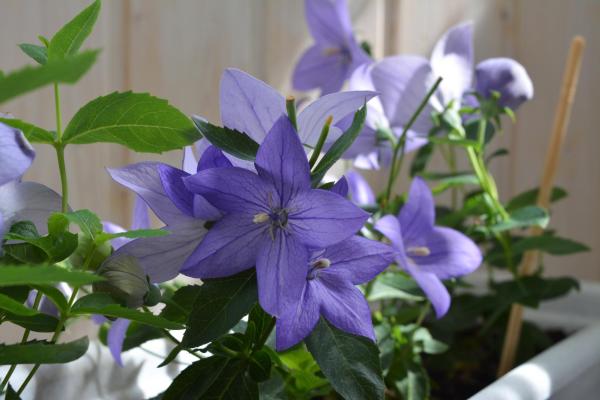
column 125, row 280
column 507, row 77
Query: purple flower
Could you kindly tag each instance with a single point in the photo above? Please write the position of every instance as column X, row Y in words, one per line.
column 329, row 62
column 506, row 76
column 184, row 213
column 271, row 219
column 360, row 191
column 329, row 290
column 427, row 252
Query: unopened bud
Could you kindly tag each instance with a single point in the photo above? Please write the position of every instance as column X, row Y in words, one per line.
column 125, row 281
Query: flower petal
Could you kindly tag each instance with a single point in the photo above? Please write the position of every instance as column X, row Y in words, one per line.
column 357, row 259
column 248, row 104
column 16, row 154
column 141, row 219
column 452, row 59
column 340, row 187
column 213, row 157
column 360, row 191
column 507, row 77
column 281, row 160
column 162, row 258
column 28, row 201
column 433, row 287
column 321, row 218
column 337, row 105
column 110, row 227
column 320, row 67
column 144, row 179
column 298, row 322
column 173, row 186
column 344, row 306
column 390, row 227
column 189, row 163
column 116, row 337
column 232, row 189
column 229, row 247
column 328, row 21
column 417, row 216
column 281, row 269
column 452, row 254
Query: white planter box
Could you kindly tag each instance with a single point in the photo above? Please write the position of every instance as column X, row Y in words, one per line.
column 570, row 369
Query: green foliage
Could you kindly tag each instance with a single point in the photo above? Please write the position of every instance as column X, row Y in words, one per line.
column 550, row 244
column 238, row 144
column 67, row 41
column 180, row 304
column 422, row 157
column 43, row 275
column 37, row 352
column 15, row 307
column 134, row 234
column 33, row 248
column 138, row 121
column 529, row 198
column 523, row 218
column 350, row 363
column 33, row 133
column 36, row 323
column 38, row 53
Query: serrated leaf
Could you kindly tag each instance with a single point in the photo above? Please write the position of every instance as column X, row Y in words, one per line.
column 138, row 121
column 522, row 218
column 529, row 198
column 236, row 143
column 349, row 362
column 530, row 290
column 339, row 147
column 29, row 78
column 220, row 304
column 33, row 133
column 549, row 244
column 88, row 222
column 14, row 307
column 37, row 323
column 38, row 53
column 68, row 40
column 44, row 275
column 42, row 352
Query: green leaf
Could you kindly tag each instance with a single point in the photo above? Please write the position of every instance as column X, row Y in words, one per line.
column 349, row 362
column 220, row 304
column 38, row 53
column 137, row 233
column 14, row 307
column 339, row 147
column 88, row 222
column 101, row 303
column 530, row 290
column 44, row 275
column 549, row 244
column 179, row 306
column 33, row 133
column 42, row 352
column 260, row 366
column 11, row 394
column 522, row 218
column 138, row 121
column 529, row 198
column 236, row 143
column 37, row 323
column 421, row 159
column 56, row 246
column 55, row 295
column 24, row 80
column 68, row 40
column 394, row 285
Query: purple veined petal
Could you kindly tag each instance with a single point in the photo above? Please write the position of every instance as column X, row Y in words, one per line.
column 321, row 67
column 110, row 227
column 328, row 21
column 144, row 179
column 390, row 227
column 433, row 287
column 417, row 216
column 116, row 337
column 229, row 247
column 507, row 77
column 248, row 104
column 360, row 191
column 344, row 306
column 403, row 82
column 233, row 189
column 141, row 218
column 337, row 105
column 452, row 59
column 357, row 260
column 175, row 189
column 212, row 157
column 162, row 258
column 320, row 218
column 16, row 154
column 204, row 210
column 451, row 254
column 281, row 269
column 367, row 161
column 189, row 163
column 203, row 144
column 361, row 80
column 340, row 187
column 282, row 162
column 297, row 323
column 28, row 201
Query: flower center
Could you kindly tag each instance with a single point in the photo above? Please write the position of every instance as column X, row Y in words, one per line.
column 421, row 251
column 316, row 266
column 277, row 218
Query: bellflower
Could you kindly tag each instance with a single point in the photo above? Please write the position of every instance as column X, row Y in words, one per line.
column 427, row 252
column 359, row 189
column 184, row 213
column 271, row 219
column 505, row 76
column 329, row 62
column 329, row 291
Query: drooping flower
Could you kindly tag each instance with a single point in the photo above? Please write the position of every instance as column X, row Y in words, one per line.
column 184, row 213
column 505, row 76
column 329, row 291
column 330, row 61
column 271, row 219
column 427, row 252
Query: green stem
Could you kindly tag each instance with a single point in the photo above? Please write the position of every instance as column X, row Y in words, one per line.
column 60, row 151
column 290, row 106
column 322, row 137
column 398, row 151
column 423, row 314
column 262, row 340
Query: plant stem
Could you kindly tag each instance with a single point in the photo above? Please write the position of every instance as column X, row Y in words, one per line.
column 60, row 151
column 322, row 137
column 398, row 150
column 424, row 312
column 290, row 106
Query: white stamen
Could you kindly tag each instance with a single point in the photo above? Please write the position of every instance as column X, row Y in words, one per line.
column 260, row 218
column 419, row 251
column 322, row 263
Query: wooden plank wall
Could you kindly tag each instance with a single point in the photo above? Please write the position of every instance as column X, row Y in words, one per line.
column 177, row 49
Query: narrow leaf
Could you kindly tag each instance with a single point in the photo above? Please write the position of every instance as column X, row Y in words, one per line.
column 43, row 352
column 44, row 275
column 138, row 233
column 38, row 53
column 68, row 40
column 33, row 133
column 14, row 307
column 522, row 218
column 236, row 143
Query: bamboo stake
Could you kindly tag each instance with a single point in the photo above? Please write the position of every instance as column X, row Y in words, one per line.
column 561, row 121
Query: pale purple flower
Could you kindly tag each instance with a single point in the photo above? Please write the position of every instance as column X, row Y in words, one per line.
column 271, row 219
column 506, row 76
column 359, row 189
column 427, row 252
column 330, row 61
column 329, row 290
